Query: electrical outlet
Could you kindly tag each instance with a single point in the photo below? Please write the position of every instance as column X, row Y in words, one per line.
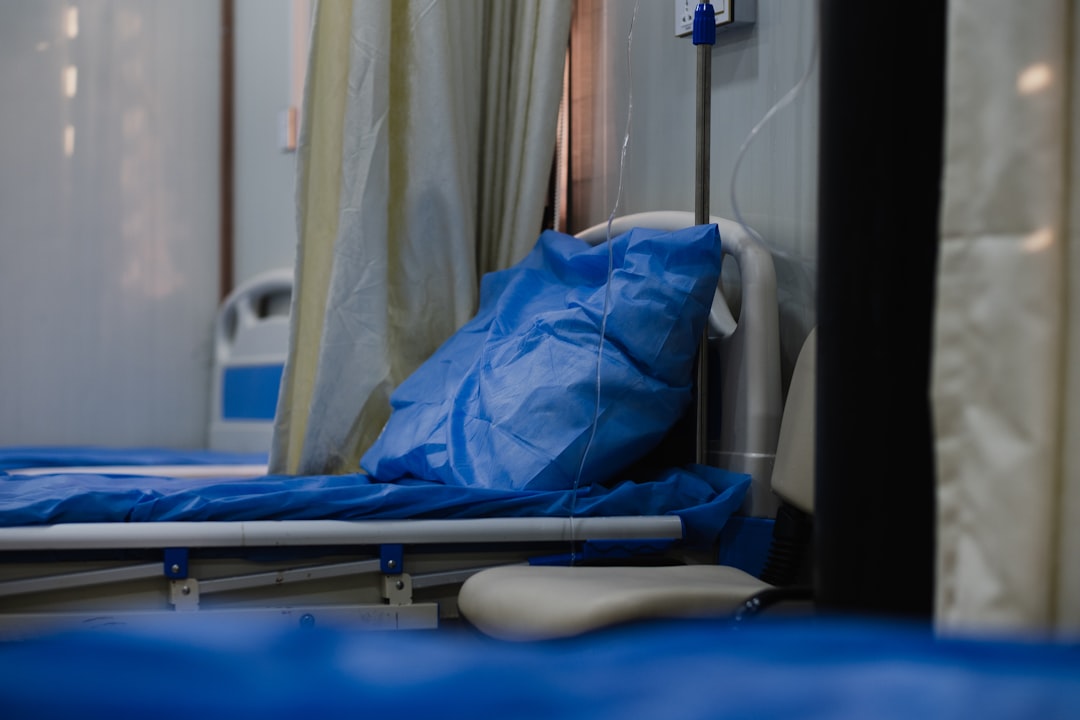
column 684, row 15
column 729, row 14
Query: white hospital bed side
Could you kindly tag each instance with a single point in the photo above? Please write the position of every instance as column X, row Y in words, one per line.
column 251, row 342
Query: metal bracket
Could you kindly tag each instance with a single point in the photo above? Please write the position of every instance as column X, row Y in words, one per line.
column 392, row 558
column 184, row 594
column 397, row 589
column 176, row 563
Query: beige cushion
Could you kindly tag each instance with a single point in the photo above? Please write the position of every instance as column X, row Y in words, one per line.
column 520, row 602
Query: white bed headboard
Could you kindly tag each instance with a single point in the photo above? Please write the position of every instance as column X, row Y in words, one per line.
column 749, row 352
column 251, row 342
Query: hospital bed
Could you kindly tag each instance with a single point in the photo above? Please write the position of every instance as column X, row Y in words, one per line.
column 342, row 550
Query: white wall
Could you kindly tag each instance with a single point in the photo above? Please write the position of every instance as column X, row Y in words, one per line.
column 751, row 69
column 264, row 231
column 108, row 221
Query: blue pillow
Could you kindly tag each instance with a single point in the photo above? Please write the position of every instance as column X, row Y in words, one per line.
column 508, row 401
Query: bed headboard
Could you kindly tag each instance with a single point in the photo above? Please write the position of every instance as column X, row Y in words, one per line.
column 251, row 342
column 747, row 385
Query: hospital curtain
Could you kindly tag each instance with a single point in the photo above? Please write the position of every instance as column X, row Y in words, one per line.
column 1006, row 378
column 423, row 162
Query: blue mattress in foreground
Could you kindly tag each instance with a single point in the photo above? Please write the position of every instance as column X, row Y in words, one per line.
column 78, row 456
column 703, row 497
column 775, row 671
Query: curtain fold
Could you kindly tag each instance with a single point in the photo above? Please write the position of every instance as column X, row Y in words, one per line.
column 429, row 128
column 1007, row 336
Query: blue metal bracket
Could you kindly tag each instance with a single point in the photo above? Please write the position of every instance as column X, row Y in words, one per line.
column 391, row 559
column 176, row 563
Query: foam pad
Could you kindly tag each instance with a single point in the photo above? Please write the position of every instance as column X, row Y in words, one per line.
column 519, row 602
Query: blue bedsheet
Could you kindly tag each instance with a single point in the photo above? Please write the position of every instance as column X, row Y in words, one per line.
column 774, row 671
column 60, row 456
column 703, row 497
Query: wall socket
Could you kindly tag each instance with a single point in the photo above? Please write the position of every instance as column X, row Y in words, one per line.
column 729, row 13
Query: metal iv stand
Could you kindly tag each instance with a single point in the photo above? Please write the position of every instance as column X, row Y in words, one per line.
column 704, row 38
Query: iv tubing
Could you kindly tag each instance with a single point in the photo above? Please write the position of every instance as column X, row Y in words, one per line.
column 780, row 104
column 607, row 282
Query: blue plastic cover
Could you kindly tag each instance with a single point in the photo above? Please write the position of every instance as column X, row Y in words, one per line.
column 703, row 497
column 704, row 28
column 250, row 392
column 508, row 401
column 201, row 667
column 78, row 456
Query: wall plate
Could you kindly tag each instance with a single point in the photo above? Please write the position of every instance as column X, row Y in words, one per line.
column 729, row 13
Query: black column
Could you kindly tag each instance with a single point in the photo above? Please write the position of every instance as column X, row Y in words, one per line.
column 881, row 133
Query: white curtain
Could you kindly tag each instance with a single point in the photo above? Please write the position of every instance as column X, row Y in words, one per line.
column 1006, row 384
column 427, row 141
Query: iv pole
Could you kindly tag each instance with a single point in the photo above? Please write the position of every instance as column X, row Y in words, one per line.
column 704, row 38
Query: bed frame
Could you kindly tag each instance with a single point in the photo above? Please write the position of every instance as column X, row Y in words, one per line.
column 382, row 574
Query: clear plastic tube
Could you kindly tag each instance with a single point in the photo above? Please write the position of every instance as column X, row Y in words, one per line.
column 780, row 104
column 607, row 282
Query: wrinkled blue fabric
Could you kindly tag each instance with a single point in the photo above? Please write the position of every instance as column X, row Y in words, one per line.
column 704, row 497
column 508, row 401
column 32, row 456
column 840, row 670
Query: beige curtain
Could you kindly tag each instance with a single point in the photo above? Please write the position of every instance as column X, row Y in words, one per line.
column 1006, row 384
column 428, row 134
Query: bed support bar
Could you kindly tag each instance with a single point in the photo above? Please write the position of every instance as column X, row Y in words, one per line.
column 277, row 533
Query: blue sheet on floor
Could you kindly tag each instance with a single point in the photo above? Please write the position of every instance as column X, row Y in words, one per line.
column 776, row 671
column 703, row 497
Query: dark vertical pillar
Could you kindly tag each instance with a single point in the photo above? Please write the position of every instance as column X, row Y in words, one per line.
column 225, row 160
column 881, row 125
